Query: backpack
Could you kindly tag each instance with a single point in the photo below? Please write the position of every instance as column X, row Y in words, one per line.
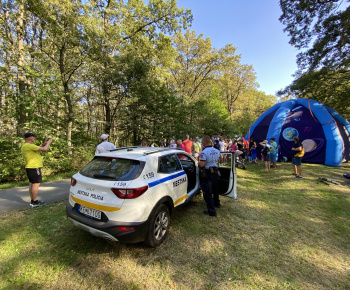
column 300, row 153
column 265, row 150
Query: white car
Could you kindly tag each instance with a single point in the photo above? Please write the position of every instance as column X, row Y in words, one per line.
column 130, row 193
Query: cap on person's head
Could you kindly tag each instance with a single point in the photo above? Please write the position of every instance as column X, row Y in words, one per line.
column 27, row 135
column 265, row 141
column 104, row 137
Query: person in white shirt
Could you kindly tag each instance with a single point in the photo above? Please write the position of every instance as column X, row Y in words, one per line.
column 222, row 145
column 104, row 146
column 173, row 142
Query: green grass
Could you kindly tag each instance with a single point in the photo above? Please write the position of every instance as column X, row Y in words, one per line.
column 45, row 179
column 281, row 233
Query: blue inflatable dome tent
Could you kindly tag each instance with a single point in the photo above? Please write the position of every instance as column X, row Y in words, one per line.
column 323, row 132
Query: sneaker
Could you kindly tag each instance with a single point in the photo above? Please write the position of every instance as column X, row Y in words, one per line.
column 295, row 174
column 36, row 203
column 298, row 176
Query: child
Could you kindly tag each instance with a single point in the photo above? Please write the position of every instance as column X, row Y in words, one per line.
column 253, row 153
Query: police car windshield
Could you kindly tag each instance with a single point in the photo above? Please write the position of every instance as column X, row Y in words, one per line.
column 106, row 168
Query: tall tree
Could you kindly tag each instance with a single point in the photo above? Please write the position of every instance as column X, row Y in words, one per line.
column 236, row 80
column 196, row 64
column 20, row 68
column 13, row 48
column 321, row 29
column 128, row 31
column 64, row 45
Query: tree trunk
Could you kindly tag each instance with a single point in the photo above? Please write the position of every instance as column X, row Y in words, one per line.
column 70, row 117
column 106, row 96
column 89, row 114
column 21, row 108
column 68, row 98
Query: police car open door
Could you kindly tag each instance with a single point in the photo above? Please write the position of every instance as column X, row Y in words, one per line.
column 228, row 178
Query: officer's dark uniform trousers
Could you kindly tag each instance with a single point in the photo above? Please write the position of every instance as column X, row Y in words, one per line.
column 209, row 187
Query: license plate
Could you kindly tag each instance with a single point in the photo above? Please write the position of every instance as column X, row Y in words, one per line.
column 90, row 212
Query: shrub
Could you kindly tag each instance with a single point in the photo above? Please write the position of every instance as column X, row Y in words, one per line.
column 56, row 160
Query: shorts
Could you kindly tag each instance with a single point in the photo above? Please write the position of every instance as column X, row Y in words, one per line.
column 266, row 158
column 34, row 175
column 296, row 161
column 273, row 157
column 195, row 154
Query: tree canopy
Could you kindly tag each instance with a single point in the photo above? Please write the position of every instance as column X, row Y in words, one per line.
column 72, row 70
column 321, row 30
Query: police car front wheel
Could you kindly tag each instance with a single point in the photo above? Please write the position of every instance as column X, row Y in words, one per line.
column 159, row 226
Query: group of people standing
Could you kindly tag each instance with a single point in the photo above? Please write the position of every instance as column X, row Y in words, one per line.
column 206, row 151
column 269, row 153
column 191, row 146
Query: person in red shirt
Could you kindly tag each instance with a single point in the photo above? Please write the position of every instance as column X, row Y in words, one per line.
column 246, row 147
column 188, row 144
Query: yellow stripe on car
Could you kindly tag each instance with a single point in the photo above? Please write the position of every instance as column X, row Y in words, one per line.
column 180, row 199
column 94, row 206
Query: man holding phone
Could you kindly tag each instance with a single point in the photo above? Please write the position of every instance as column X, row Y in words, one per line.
column 34, row 164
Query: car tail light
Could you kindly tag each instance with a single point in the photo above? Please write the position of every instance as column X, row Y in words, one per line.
column 130, row 192
column 73, row 181
column 126, row 229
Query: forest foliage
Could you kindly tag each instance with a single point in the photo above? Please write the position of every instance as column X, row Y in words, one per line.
column 72, row 70
column 321, row 31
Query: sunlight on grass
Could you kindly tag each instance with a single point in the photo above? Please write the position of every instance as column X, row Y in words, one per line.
column 281, row 233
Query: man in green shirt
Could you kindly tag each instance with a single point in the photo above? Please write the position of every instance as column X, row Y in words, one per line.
column 34, row 164
column 197, row 148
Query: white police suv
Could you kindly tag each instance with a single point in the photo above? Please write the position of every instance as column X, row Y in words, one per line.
column 130, row 193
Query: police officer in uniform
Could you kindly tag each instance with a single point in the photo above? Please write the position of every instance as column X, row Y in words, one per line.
column 209, row 180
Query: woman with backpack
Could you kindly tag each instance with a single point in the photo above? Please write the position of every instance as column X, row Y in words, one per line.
column 266, row 153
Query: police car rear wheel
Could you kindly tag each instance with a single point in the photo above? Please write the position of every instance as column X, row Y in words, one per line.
column 159, row 226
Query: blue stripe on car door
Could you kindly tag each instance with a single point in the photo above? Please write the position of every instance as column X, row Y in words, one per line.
column 154, row 183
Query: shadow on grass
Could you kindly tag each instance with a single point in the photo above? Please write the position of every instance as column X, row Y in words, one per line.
column 280, row 232
column 55, row 248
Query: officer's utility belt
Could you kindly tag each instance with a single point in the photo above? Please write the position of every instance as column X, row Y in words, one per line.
column 212, row 170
